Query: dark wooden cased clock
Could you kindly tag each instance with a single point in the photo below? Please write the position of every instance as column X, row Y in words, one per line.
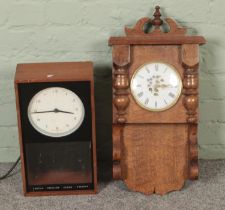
column 155, row 106
column 56, row 121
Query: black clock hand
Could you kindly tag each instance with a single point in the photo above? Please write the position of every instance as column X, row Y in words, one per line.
column 54, row 111
column 43, row 112
column 58, row 110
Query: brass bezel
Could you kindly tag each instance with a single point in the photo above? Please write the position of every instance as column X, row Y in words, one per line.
column 170, row 105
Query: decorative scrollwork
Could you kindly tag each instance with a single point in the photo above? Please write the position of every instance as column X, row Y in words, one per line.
column 121, row 81
column 121, row 99
column 156, row 22
column 190, row 83
column 191, row 93
column 121, row 60
column 191, row 104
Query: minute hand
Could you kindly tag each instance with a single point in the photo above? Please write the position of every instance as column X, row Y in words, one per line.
column 52, row 111
column 41, row 112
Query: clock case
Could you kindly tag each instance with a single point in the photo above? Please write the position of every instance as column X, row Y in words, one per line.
column 61, row 155
column 155, row 152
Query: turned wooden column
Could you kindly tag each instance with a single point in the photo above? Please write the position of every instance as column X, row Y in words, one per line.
column 190, row 62
column 121, row 59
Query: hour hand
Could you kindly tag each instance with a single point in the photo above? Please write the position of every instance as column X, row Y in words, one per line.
column 58, row 110
column 164, row 86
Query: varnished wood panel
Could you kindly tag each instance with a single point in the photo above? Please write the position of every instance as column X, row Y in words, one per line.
column 20, row 139
column 155, row 158
column 53, row 72
column 121, row 55
column 169, row 40
column 117, row 136
column 190, row 54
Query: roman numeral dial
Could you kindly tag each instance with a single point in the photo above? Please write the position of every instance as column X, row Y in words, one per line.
column 156, row 86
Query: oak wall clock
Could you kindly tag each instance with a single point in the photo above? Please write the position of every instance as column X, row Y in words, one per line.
column 155, row 106
column 56, row 120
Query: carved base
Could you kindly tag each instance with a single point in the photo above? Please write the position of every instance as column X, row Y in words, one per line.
column 153, row 158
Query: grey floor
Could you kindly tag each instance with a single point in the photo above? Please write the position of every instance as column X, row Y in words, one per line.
column 208, row 193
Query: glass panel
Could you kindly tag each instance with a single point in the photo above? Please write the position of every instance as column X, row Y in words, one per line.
column 58, row 163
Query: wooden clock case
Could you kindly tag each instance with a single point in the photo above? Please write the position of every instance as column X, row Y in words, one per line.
column 29, row 79
column 155, row 152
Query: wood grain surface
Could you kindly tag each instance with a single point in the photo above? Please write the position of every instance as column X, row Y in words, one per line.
column 155, row 157
column 55, row 72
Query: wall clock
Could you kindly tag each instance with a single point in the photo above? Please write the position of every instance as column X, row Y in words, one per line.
column 155, row 105
column 56, row 121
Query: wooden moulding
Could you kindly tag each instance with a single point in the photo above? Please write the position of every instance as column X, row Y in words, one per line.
column 137, row 36
column 121, row 59
column 117, row 140
column 55, row 72
column 121, row 80
column 157, row 40
column 190, row 61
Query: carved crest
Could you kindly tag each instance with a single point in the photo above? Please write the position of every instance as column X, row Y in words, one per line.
column 156, row 31
column 155, row 23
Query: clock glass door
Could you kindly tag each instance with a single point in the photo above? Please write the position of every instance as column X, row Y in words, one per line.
column 59, row 165
column 58, row 139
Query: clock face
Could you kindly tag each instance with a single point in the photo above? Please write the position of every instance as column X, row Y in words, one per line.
column 56, row 112
column 156, row 86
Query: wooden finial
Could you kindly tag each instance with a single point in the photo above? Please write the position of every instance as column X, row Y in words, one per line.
column 157, row 21
column 142, row 26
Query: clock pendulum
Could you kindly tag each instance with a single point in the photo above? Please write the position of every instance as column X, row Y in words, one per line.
column 155, row 106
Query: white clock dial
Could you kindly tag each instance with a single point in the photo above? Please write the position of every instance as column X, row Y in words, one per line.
column 156, row 86
column 56, row 112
